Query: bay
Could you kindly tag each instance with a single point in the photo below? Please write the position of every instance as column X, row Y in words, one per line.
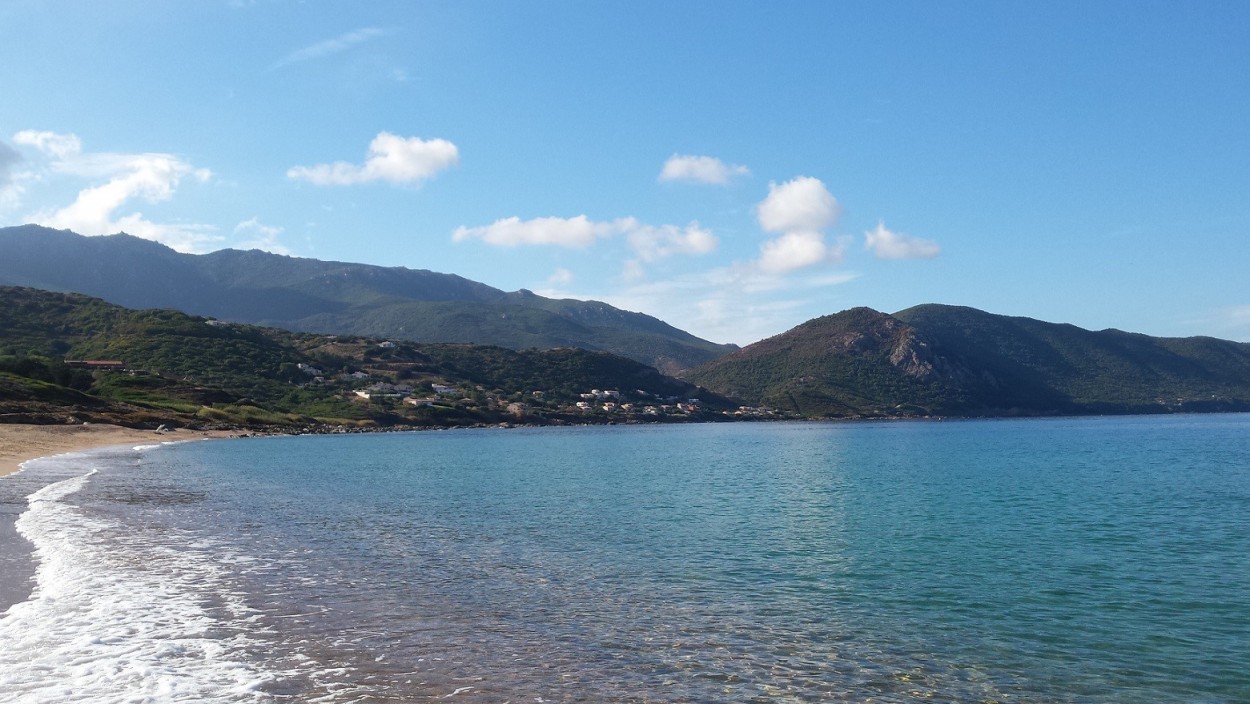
column 1070, row 560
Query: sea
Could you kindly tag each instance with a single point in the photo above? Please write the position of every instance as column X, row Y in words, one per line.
column 1090, row 560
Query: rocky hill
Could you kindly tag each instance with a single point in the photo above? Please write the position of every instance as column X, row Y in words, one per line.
column 956, row 361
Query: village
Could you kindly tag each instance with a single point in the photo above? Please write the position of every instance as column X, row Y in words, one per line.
column 387, row 381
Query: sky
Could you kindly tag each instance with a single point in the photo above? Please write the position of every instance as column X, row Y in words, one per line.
column 733, row 168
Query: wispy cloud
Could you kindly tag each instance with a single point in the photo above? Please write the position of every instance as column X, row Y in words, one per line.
column 560, row 277
column 10, row 191
column 737, row 303
column 257, row 235
column 1238, row 322
column 576, row 232
column 391, row 158
column 886, row 244
column 333, row 46
column 61, row 146
column 121, row 180
column 648, row 243
column 700, row 169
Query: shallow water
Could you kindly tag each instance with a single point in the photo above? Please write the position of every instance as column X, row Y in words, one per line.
column 1084, row 560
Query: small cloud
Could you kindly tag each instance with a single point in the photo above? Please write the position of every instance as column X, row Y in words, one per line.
column 802, row 204
column 800, row 210
column 260, row 236
column 391, row 158
column 700, row 169
column 560, row 277
column 653, row 243
column 331, row 46
column 578, row 232
column 896, row 245
column 61, row 146
column 649, row 242
column 793, row 251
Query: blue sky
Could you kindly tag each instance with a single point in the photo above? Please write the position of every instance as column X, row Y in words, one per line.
column 732, row 168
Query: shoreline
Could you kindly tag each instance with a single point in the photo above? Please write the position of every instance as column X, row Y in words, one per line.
column 20, row 443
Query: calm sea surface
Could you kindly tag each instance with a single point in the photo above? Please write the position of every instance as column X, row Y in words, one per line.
column 1083, row 560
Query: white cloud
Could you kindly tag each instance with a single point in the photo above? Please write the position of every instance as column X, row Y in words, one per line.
column 793, row 250
column 578, row 232
column 802, row 203
column 649, row 242
column 896, row 245
column 260, row 236
column 391, row 158
column 61, row 146
column 700, row 169
column 151, row 177
column 331, row 46
column 800, row 209
column 652, row 243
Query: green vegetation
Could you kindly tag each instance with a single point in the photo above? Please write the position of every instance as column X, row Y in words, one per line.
column 947, row 360
column 308, row 295
column 201, row 372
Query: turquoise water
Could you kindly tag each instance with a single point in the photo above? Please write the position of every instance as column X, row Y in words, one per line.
column 1074, row 560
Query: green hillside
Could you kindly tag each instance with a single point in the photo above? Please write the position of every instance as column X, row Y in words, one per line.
column 197, row 371
column 309, row 295
column 946, row 360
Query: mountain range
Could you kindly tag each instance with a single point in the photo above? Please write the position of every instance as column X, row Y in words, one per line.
column 310, row 295
column 929, row 360
column 957, row 361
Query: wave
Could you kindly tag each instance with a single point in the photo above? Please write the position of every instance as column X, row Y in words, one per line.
column 118, row 617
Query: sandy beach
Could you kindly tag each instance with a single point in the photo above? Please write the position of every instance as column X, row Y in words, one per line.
column 19, row 443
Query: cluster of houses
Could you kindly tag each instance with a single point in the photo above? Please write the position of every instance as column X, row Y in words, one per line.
column 594, row 401
column 609, row 402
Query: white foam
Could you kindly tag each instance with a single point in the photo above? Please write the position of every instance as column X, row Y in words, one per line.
column 120, row 622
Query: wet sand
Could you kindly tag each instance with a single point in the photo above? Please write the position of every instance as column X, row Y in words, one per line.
column 19, row 443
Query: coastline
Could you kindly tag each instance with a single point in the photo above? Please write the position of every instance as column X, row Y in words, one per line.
column 21, row 442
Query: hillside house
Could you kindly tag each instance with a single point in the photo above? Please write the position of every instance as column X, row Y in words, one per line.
column 109, row 365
